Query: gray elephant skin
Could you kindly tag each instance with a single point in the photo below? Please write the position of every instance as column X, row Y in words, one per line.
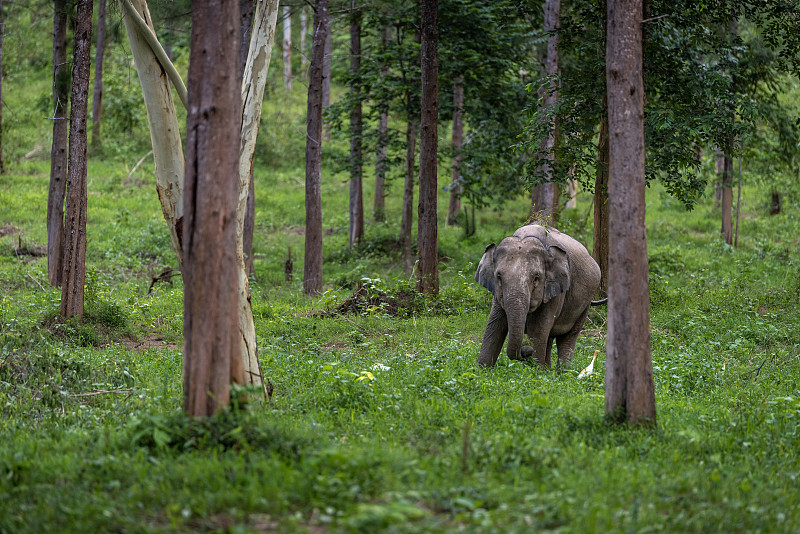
column 543, row 282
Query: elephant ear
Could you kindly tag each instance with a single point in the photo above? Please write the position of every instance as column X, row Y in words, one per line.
column 557, row 279
column 484, row 275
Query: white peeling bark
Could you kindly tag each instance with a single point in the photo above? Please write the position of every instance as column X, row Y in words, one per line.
column 253, row 84
column 164, row 131
column 154, row 72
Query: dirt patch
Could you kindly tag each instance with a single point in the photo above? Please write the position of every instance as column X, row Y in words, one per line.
column 402, row 303
column 151, row 341
column 8, row 229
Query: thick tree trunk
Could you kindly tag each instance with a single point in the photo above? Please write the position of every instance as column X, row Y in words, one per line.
column 97, row 98
column 58, row 153
column 165, row 134
column 74, row 267
column 287, row 48
column 356, row 191
column 727, row 199
column 303, row 32
column 458, row 141
column 407, row 217
column 211, row 343
column 381, row 162
column 428, row 148
column 246, row 20
column 630, row 392
column 600, row 237
column 312, row 268
column 544, row 197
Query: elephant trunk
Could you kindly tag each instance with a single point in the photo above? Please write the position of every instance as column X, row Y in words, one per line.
column 517, row 313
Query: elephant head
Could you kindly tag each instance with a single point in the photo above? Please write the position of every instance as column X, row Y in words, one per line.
column 523, row 273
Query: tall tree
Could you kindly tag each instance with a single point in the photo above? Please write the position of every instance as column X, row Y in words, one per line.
column 211, row 360
column 458, row 140
column 74, row 262
column 58, row 152
column 381, row 161
column 287, row 48
column 2, row 32
column 100, row 48
column 600, row 229
column 427, row 229
column 630, row 391
column 544, row 197
column 246, row 21
column 356, row 164
column 303, row 33
column 326, row 70
column 312, row 267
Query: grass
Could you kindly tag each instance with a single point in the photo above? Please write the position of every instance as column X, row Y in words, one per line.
column 380, row 420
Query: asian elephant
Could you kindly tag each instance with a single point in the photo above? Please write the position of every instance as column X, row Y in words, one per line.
column 542, row 281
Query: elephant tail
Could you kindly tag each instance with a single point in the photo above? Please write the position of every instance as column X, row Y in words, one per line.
column 600, row 302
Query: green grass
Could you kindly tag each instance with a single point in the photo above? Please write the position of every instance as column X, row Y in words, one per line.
column 382, row 423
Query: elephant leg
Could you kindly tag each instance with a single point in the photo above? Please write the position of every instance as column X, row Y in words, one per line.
column 541, row 342
column 494, row 336
column 566, row 342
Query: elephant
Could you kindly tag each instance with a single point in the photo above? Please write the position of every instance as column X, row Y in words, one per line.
column 543, row 281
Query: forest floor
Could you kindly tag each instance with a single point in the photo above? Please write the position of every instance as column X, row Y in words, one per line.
column 379, row 418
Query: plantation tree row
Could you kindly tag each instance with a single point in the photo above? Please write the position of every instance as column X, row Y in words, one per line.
column 530, row 103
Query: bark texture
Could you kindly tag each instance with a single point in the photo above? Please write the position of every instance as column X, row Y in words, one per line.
column 211, row 341
column 458, row 141
column 600, row 237
column 252, row 95
column 165, row 134
column 428, row 147
column 356, row 191
column 97, row 98
column 74, row 267
column 312, row 267
column 630, row 392
column 246, row 19
column 58, row 152
column 544, row 197
column 287, row 48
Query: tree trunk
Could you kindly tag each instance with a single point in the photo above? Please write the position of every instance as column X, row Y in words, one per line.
column 326, row 73
column 727, row 199
column 252, row 96
column 303, row 32
column 246, row 19
column 600, row 236
column 572, row 194
column 287, row 48
column 458, row 141
column 74, row 266
column 165, row 134
column 408, row 195
column 312, row 268
column 2, row 33
column 381, row 162
column 356, row 192
column 544, row 197
column 58, row 153
column 630, row 392
column 97, row 98
column 428, row 147
column 211, row 343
